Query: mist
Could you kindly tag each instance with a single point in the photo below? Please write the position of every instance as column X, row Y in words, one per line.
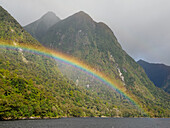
column 141, row 26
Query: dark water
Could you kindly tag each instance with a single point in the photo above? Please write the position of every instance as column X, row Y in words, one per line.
column 89, row 123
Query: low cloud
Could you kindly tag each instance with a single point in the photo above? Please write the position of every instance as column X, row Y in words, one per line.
column 141, row 26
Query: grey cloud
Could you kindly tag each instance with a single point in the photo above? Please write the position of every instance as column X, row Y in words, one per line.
column 141, row 26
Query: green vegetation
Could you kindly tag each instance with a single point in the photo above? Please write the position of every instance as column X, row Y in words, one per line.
column 12, row 31
column 33, row 86
column 20, row 98
column 38, row 28
column 158, row 74
column 36, row 88
column 95, row 44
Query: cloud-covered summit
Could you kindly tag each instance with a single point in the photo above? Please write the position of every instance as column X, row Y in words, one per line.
column 142, row 26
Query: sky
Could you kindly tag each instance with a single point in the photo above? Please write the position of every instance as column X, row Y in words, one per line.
column 142, row 27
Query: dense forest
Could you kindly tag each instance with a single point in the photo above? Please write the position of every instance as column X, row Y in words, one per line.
column 36, row 88
column 33, row 85
column 96, row 45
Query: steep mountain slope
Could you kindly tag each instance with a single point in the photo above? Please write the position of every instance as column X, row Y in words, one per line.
column 159, row 74
column 12, row 31
column 95, row 44
column 38, row 28
column 32, row 86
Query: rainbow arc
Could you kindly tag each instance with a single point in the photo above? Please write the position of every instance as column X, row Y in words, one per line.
column 117, row 86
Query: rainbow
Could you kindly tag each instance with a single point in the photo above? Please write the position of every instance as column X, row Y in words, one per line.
column 117, row 86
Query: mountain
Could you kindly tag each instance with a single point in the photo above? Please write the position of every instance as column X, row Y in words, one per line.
column 96, row 45
column 38, row 28
column 159, row 74
column 125, row 109
column 12, row 31
column 32, row 85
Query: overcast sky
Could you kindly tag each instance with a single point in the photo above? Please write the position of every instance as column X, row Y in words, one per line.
column 142, row 27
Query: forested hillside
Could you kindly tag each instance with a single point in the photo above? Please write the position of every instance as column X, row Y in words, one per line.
column 96, row 45
column 159, row 74
column 32, row 85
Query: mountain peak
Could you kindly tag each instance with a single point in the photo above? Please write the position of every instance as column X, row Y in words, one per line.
column 38, row 28
column 140, row 61
column 82, row 16
column 81, row 13
column 50, row 15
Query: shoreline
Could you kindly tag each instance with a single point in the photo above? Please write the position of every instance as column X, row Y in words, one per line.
column 103, row 117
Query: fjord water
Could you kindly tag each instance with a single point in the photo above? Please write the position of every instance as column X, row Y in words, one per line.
column 89, row 123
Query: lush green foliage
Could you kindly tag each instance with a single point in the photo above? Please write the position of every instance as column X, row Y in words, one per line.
column 32, row 85
column 36, row 88
column 11, row 30
column 95, row 44
column 21, row 98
